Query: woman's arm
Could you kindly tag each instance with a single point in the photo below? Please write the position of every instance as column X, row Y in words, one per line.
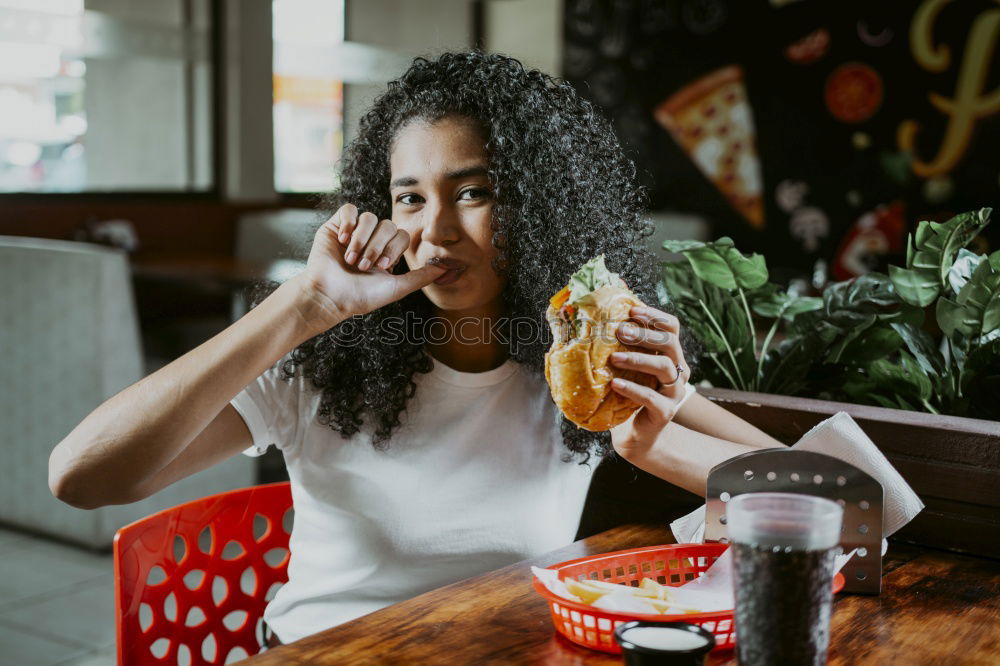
column 678, row 445
column 684, row 457
column 115, row 454
column 178, row 420
column 701, row 414
column 700, row 436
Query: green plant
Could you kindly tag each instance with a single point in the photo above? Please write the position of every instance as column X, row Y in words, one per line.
column 926, row 337
column 716, row 298
column 962, row 369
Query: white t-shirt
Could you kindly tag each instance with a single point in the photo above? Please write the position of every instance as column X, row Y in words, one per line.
column 472, row 481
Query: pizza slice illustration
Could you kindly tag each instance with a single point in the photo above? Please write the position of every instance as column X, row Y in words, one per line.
column 712, row 121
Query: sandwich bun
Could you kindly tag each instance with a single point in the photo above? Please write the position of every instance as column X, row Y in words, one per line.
column 576, row 366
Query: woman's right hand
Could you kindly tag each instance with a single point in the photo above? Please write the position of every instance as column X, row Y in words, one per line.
column 348, row 271
column 178, row 420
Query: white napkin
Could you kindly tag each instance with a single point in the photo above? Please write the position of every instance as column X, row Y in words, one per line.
column 690, row 528
column 838, row 436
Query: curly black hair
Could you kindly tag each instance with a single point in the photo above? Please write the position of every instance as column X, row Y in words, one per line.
column 564, row 192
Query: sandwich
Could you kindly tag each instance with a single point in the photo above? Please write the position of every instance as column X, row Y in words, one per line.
column 584, row 317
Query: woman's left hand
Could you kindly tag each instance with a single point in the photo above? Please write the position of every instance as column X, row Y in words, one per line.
column 657, row 332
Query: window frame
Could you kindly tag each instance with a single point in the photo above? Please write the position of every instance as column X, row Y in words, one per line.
column 216, row 46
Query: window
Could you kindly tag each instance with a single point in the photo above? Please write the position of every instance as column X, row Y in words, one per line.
column 308, row 101
column 105, row 95
column 42, row 118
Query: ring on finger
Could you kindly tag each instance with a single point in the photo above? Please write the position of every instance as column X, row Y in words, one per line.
column 677, row 377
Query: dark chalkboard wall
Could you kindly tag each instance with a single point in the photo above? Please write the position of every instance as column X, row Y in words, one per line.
column 833, row 88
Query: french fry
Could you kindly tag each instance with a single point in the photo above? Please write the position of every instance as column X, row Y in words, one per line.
column 653, row 589
column 657, row 596
column 586, row 590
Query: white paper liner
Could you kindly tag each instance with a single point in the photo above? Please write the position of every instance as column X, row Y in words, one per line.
column 711, row 592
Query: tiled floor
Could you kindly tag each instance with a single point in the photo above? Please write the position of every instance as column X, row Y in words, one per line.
column 56, row 604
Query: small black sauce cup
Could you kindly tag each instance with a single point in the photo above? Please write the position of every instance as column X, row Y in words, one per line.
column 640, row 655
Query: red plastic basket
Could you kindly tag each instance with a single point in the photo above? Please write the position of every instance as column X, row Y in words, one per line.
column 673, row 565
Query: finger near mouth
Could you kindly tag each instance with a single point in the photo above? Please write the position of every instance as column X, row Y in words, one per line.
column 449, row 276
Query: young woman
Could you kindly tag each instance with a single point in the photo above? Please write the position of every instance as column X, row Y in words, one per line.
column 401, row 372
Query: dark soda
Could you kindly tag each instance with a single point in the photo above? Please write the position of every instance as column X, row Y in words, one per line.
column 783, row 599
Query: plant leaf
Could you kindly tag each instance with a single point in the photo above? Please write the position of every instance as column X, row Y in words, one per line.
column 871, row 293
column 875, row 343
column 901, row 379
column 769, row 303
column 931, row 253
column 917, row 377
column 848, row 305
column 776, row 303
column 690, row 297
column 885, row 402
column 981, row 298
column 922, row 346
column 862, row 389
column 949, row 316
column 678, row 246
column 897, row 384
column 976, row 310
column 913, row 287
column 682, row 291
column 721, row 264
column 803, row 304
column 848, row 336
column 991, row 315
column 788, row 364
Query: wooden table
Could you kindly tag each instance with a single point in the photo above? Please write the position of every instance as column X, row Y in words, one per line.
column 936, row 607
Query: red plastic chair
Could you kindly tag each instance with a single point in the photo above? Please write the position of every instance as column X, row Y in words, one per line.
column 180, row 577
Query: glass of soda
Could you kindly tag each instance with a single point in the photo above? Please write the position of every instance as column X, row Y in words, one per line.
column 784, row 546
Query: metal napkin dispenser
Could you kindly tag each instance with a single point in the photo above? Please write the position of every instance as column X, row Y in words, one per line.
column 808, row 473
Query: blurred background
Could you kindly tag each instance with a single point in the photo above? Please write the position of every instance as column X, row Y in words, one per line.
column 815, row 134
column 159, row 157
